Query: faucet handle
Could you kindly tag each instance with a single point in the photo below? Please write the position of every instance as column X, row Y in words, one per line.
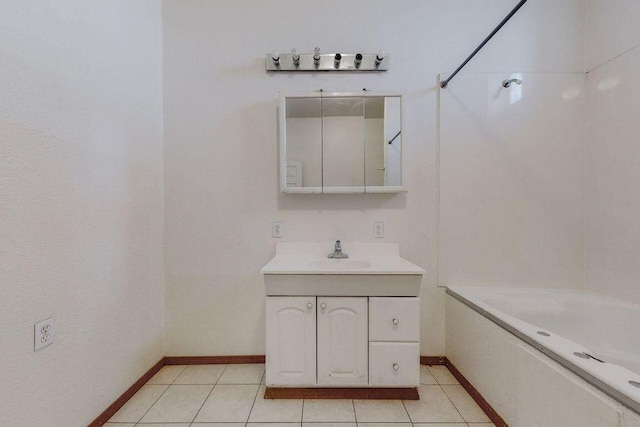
column 338, row 245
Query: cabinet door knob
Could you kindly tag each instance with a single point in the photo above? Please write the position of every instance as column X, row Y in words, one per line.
column 396, row 321
column 396, row 366
column 309, row 306
column 323, row 306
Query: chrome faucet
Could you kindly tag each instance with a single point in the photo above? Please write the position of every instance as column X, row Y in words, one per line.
column 337, row 252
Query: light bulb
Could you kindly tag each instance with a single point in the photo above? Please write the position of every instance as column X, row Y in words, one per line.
column 358, row 60
column 295, row 57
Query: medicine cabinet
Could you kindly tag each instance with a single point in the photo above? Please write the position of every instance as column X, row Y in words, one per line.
column 341, row 142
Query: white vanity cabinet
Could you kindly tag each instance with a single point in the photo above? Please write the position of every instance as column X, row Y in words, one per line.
column 351, row 323
column 327, row 341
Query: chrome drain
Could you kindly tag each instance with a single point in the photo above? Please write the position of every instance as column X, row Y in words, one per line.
column 544, row 334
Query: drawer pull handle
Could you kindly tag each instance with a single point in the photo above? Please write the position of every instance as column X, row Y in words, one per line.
column 396, row 321
column 396, row 367
column 323, row 306
column 309, row 306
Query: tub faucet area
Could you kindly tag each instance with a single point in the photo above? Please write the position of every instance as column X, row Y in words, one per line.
column 337, row 252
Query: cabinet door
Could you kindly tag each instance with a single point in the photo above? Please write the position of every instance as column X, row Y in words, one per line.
column 342, row 341
column 291, row 341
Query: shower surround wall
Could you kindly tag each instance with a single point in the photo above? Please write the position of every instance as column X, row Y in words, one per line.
column 221, row 155
column 613, row 149
column 512, row 181
column 80, row 204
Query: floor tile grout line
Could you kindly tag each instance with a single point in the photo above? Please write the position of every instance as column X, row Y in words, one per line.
column 255, row 398
column 407, row 411
column 207, row 398
column 213, row 388
column 451, row 400
column 436, row 380
column 454, row 405
column 254, row 403
column 355, row 414
column 203, row 402
column 179, row 373
column 154, row 402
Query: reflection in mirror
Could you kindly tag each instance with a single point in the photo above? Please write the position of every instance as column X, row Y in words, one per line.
column 383, row 166
column 304, row 142
column 374, row 141
column 392, row 141
column 343, row 143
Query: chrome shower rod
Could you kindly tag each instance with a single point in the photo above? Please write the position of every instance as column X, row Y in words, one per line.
column 445, row 83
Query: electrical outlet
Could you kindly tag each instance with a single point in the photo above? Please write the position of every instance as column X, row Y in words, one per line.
column 277, row 229
column 378, row 230
column 43, row 333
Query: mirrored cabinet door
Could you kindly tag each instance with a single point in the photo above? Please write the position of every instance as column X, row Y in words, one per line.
column 303, row 127
column 343, row 139
column 341, row 143
column 383, row 143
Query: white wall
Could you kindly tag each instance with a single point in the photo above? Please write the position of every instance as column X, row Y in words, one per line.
column 80, row 204
column 613, row 149
column 221, row 158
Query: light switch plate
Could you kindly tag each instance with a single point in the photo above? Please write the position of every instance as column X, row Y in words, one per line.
column 378, row 230
column 43, row 333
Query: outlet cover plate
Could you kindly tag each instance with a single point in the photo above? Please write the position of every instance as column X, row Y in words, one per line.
column 277, row 229
column 43, row 333
column 378, row 230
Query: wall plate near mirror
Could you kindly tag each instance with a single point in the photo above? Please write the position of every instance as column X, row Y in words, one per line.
column 341, row 142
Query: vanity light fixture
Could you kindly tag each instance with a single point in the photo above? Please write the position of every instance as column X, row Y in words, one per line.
column 316, row 61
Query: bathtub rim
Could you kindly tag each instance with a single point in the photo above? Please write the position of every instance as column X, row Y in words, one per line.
column 601, row 385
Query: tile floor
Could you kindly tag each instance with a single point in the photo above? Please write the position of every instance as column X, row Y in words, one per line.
column 231, row 396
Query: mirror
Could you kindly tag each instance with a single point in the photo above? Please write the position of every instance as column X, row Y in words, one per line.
column 304, row 143
column 341, row 143
column 343, row 139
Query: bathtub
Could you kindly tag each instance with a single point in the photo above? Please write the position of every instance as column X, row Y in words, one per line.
column 596, row 338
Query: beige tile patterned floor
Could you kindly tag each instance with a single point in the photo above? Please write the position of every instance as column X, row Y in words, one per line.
column 231, row 396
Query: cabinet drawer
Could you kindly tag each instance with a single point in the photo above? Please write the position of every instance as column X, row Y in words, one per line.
column 394, row 319
column 394, row 364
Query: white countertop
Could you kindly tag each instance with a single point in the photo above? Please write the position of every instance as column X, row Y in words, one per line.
column 364, row 259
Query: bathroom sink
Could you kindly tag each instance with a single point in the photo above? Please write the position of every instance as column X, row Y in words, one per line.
column 372, row 269
column 339, row 264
